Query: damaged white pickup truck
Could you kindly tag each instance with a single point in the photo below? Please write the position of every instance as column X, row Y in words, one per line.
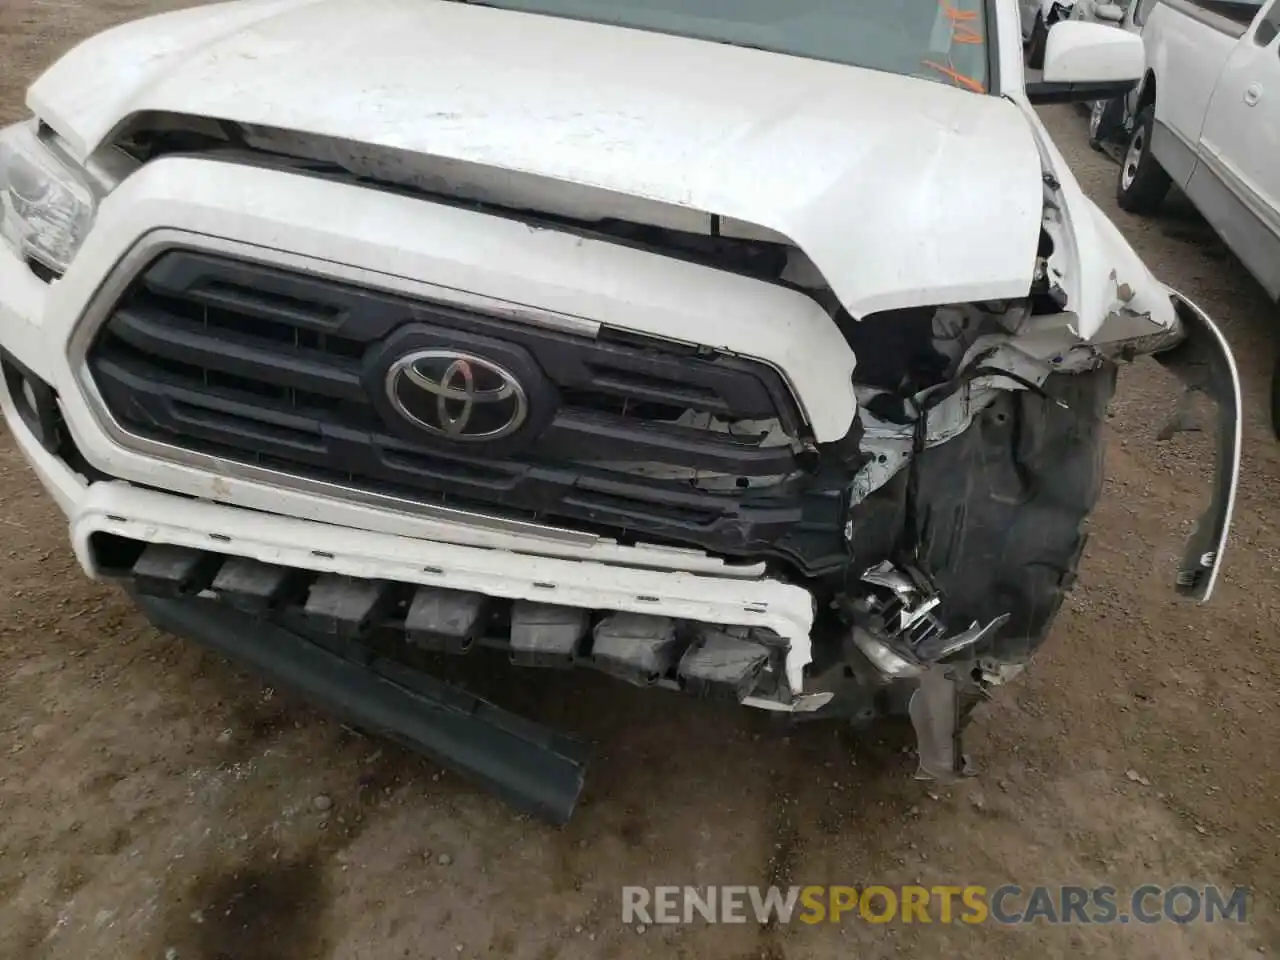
column 758, row 350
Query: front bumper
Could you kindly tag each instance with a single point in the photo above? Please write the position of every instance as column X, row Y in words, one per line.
column 131, row 513
column 535, row 769
column 392, row 242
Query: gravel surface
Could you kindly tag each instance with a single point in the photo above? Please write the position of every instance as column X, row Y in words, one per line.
column 157, row 802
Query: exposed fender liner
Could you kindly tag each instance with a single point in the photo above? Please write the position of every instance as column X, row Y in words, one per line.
column 1002, row 508
column 527, row 765
column 1203, row 362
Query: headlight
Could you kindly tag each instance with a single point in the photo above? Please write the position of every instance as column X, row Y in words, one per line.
column 46, row 203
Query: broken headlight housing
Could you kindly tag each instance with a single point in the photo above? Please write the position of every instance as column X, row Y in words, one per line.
column 46, row 202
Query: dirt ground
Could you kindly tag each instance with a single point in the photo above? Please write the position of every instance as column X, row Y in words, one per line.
column 156, row 802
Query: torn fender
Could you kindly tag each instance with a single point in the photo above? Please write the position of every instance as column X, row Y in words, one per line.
column 1204, row 363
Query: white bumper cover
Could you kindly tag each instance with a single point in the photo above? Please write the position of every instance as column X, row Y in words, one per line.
column 127, row 511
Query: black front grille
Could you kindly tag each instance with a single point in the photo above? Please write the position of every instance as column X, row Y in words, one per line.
column 285, row 371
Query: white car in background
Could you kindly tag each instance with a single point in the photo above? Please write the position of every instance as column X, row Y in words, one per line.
column 759, row 351
column 1207, row 120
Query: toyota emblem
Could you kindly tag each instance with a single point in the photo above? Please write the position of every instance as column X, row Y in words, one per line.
column 457, row 395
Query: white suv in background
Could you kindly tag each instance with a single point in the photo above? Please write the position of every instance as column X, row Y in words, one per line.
column 1206, row 118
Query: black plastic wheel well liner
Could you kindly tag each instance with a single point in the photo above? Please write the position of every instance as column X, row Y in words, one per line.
column 1001, row 507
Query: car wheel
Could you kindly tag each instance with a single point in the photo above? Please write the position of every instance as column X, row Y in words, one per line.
column 1143, row 183
column 1035, row 46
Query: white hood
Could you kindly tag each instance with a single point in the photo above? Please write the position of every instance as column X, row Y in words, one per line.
column 902, row 191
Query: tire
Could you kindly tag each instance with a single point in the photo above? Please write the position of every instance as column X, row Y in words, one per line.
column 1142, row 183
column 1036, row 45
column 1001, row 508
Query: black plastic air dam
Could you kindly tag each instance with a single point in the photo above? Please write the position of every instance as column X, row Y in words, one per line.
column 529, row 766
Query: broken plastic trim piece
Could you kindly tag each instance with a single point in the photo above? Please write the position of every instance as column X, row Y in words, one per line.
column 532, row 768
column 1204, row 363
column 898, row 661
column 940, row 647
column 935, row 709
column 900, row 634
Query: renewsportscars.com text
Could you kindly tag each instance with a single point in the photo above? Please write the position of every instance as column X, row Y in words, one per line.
column 1008, row 904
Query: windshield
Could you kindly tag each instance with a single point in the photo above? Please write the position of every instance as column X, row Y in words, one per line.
column 944, row 40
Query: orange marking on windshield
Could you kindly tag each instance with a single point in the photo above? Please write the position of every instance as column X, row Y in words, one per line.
column 963, row 79
column 964, row 29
